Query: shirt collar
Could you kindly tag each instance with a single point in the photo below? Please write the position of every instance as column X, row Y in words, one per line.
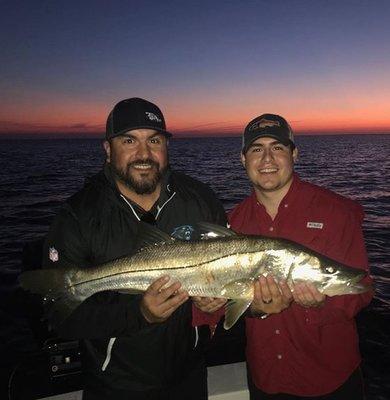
column 290, row 195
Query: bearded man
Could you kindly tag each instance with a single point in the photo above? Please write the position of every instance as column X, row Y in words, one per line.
column 134, row 346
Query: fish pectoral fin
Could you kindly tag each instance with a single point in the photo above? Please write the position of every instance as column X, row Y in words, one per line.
column 209, row 230
column 240, row 294
column 233, row 311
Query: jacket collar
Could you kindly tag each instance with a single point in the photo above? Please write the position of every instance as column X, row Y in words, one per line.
column 167, row 190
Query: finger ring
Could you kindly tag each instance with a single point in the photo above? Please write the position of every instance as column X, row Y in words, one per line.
column 267, row 301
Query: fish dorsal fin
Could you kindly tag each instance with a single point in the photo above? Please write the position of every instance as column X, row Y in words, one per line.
column 209, row 230
column 149, row 235
column 241, row 294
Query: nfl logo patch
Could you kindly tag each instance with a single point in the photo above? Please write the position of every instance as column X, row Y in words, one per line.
column 53, row 254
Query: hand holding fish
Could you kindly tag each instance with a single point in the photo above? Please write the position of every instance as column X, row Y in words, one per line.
column 159, row 302
column 208, row 304
column 307, row 295
column 270, row 297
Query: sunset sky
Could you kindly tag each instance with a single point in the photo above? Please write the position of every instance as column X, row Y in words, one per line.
column 211, row 66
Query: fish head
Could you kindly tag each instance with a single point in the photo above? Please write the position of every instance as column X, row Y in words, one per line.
column 340, row 279
column 329, row 277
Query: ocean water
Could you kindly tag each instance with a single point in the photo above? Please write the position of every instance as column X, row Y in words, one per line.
column 36, row 176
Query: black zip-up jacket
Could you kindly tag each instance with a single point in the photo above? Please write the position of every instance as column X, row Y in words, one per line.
column 120, row 350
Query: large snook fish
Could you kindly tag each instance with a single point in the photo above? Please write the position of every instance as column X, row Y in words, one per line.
column 225, row 266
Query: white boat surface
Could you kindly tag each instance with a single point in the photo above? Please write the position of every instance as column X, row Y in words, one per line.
column 225, row 382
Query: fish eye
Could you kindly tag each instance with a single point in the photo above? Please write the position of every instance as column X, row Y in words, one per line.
column 331, row 270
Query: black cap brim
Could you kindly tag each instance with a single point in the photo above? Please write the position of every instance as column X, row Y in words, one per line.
column 124, row 131
column 285, row 142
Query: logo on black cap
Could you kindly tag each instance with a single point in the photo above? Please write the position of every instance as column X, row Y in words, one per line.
column 152, row 117
column 135, row 113
column 263, row 123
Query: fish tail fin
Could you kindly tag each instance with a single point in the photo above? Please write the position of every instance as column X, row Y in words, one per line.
column 53, row 285
column 233, row 311
column 46, row 282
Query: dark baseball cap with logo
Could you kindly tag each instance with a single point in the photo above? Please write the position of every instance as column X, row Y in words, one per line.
column 135, row 113
column 268, row 125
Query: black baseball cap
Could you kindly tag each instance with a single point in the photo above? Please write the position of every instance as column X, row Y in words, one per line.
column 267, row 125
column 135, row 113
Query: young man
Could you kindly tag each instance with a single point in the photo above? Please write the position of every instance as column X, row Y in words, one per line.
column 134, row 346
column 300, row 344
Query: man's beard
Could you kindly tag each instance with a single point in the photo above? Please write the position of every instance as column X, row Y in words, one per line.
column 145, row 184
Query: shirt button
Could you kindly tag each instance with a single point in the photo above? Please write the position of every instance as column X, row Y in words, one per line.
column 271, row 229
column 279, row 356
column 307, row 319
column 286, row 205
column 277, row 331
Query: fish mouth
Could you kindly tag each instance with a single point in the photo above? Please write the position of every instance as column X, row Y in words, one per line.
column 356, row 279
column 346, row 289
column 358, row 288
column 355, row 284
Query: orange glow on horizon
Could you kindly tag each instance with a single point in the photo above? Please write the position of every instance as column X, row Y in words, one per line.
column 205, row 118
column 83, row 130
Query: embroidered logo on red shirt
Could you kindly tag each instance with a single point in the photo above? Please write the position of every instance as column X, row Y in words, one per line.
column 315, row 225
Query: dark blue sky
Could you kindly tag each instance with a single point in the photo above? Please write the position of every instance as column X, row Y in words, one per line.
column 210, row 65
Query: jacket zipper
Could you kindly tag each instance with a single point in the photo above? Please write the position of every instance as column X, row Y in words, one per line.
column 159, row 209
column 108, row 354
column 196, row 337
column 132, row 209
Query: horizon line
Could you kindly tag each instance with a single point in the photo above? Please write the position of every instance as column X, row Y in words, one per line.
column 179, row 135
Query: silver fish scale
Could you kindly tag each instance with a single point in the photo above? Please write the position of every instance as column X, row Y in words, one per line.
column 178, row 255
column 219, row 267
column 204, row 268
column 195, row 253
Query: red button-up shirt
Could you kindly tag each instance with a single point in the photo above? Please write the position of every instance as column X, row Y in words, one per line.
column 307, row 351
